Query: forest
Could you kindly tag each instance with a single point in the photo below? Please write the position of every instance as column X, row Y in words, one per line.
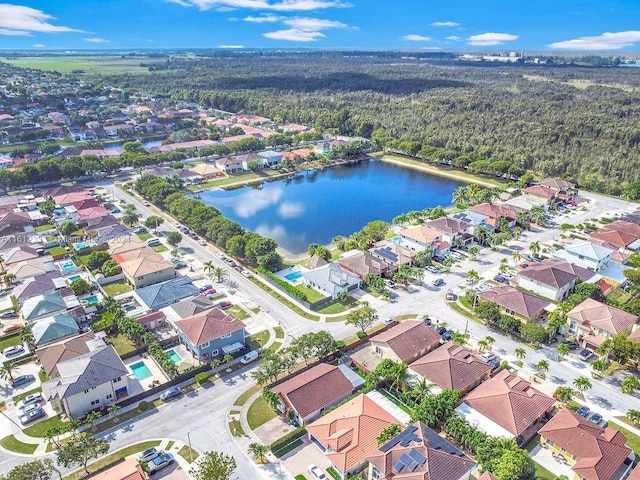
column 580, row 123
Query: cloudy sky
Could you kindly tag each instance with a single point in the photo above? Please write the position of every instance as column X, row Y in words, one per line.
column 503, row 25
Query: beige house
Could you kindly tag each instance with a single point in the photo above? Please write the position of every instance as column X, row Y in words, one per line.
column 406, row 341
column 147, row 270
column 206, row 171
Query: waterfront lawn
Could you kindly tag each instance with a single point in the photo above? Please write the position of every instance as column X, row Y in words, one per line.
column 116, row 288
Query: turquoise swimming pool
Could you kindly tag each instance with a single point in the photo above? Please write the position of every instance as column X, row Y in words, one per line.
column 74, row 278
column 173, row 356
column 140, row 370
column 68, row 265
column 292, row 277
column 81, row 245
column 91, row 300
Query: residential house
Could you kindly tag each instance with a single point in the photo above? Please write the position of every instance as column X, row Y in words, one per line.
column 5, row 162
column 48, row 303
column 19, row 254
column 419, row 453
column 53, row 328
column 248, row 159
column 155, row 297
column 454, row 231
column 495, row 212
column 88, row 382
column 152, row 321
column 194, row 144
column 269, row 158
column 564, row 190
column 331, row 280
column 522, row 305
column 105, row 233
column 211, row 334
column 405, row 341
column 507, row 406
column 130, row 469
column 206, row 171
column 452, row 366
column 189, row 307
column 13, row 222
column 67, row 199
column 61, row 351
column 393, row 254
column 34, row 286
column 235, row 138
column 118, row 130
column 52, row 192
column 593, row 452
column 308, row 394
column 488, row 476
column 363, row 263
column 347, row 435
column 147, row 270
column 229, row 164
column 592, row 322
column 586, row 255
column 101, row 154
column 422, row 237
column 84, row 215
column 540, row 195
column 473, row 219
column 32, row 268
column 125, row 244
column 316, row 261
column 553, row 279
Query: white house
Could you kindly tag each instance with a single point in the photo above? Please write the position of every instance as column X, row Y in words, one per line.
column 553, row 279
column 586, row 255
column 269, row 158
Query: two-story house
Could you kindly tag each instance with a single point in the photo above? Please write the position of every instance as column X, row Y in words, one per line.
column 592, row 322
column 406, row 341
column 522, row 305
column 211, row 334
column 87, row 382
column 147, row 270
column 586, row 255
column 495, row 212
column 422, row 237
column 553, row 279
column 454, row 231
column 393, row 254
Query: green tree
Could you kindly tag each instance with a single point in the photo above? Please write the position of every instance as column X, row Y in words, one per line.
column 520, row 353
column 564, row 394
column 271, row 397
column 130, row 216
column 174, row 238
column 634, row 416
column 563, row 350
column 388, row 433
column 630, row 384
column 599, row 366
column 7, row 370
column 80, row 286
column 153, row 221
column 214, row 466
column 362, row 318
column 582, row 383
column 513, row 465
column 473, row 251
column 473, row 276
column 534, row 248
column 258, row 451
column 534, row 333
column 488, row 311
column 543, row 366
column 96, row 259
column 420, row 389
column 81, row 448
column 40, row 469
column 26, row 336
column 67, row 227
column 8, row 279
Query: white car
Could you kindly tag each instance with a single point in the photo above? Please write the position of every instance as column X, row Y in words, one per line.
column 432, row 269
column 316, row 472
column 33, row 399
column 202, row 242
column 246, row 273
column 176, row 224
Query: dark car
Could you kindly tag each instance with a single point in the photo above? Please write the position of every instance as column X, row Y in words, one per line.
column 573, row 345
column 22, row 380
column 115, row 210
column 446, row 336
column 206, row 287
column 225, row 304
column 426, row 320
column 583, row 411
column 170, row 393
column 596, row 418
column 501, row 279
column 441, row 330
column 32, row 415
column 180, row 265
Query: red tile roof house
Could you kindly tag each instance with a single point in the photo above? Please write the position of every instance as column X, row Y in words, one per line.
column 452, row 366
column 307, row 395
column 488, row 476
column 507, row 406
column 393, row 254
column 423, row 237
column 347, row 435
column 614, row 237
column 495, row 212
column 564, row 190
column 363, row 263
column 592, row 322
column 522, row 305
column 594, row 453
column 452, row 230
column 419, row 453
column 540, row 194
column 553, row 279
column 406, row 341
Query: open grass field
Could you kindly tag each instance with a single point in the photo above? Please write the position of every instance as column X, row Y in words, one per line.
column 91, row 64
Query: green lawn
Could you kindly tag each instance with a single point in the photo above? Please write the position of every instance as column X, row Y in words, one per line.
column 189, row 454
column 160, row 249
column 333, row 307
column 53, row 251
column 37, row 429
column 101, row 64
column 620, row 296
column 542, row 473
column 238, row 312
column 121, row 343
column 275, row 346
column 114, row 457
column 406, row 316
column 261, row 338
column 9, row 341
column 44, row 228
column 144, row 236
column 259, row 413
column 117, row 288
column 312, row 295
column 12, row 444
column 242, row 399
column 633, row 440
column 17, row 398
column 290, row 304
column 279, row 332
column 42, row 376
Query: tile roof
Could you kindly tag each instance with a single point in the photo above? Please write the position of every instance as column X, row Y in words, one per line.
column 313, row 389
column 509, row 401
column 84, row 372
column 350, row 431
column 126, row 470
column 33, row 267
column 408, row 338
column 61, row 190
column 146, row 265
column 487, row 476
column 600, row 452
column 448, row 225
column 434, row 458
column 422, row 234
column 209, row 325
column 451, row 366
column 33, row 286
column 600, row 316
column 622, row 226
column 494, row 210
column 635, row 474
column 511, row 298
column 540, row 191
column 393, row 252
column 40, row 305
column 555, row 273
column 556, row 183
column 363, row 263
column 165, row 293
column 205, row 169
column 620, row 239
column 589, row 249
column 125, row 244
column 71, row 197
column 50, row 355
column 52, row 328
column 19, row 254
column 101, row 222
column 192, row 306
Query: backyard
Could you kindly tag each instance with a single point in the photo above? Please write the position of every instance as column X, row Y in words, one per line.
column 121, row 343
column 116, row 288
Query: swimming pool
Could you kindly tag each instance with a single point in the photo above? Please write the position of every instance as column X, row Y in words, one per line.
column 68, row 265
column 81, row 245
column 74, row 278
column 395, row 240
column 140, row 370
column 292, row 277
column 91, row 300
column 173, row 356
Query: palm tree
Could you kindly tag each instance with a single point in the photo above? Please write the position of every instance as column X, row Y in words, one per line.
column 482, row 233
column 634, row 416
column 130, row 218
column 473, row 276
column 26, row 336
column 472, row 191
column 564, row 394
column 630, row 384
column 420, row 389
column 112, row 410
column 599, row 366
column 208, row 267
column 604, row 349
column 8, row 279
column 219, row 274
column 490, row 340
column 543, row 367
column 92, row 418
column 459, row 338
column 401, row 219
column 520, row 354
column 534, row 248
column 227, row 358
column 1, row 263
column 563, row 350
column 516, row 256
column 582, row 383
column 7, row 369
column 259, row 452
column 473, row 251
column 459, row 195
column 483, row 345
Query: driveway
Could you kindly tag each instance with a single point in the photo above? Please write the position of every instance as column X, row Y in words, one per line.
column 297, row 461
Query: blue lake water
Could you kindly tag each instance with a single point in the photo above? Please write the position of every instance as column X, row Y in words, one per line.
column 315, row 207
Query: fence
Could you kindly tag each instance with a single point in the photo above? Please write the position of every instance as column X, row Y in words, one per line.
column 304, row 303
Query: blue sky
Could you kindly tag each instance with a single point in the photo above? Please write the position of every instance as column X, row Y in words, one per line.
column 504, row 25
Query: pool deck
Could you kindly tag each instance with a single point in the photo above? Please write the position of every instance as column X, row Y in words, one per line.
column 138, row 386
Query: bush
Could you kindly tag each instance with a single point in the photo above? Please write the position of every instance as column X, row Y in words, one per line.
column 202, row 378
column 143, row 406
column 286, row 286
column 504, row 364
column 287, row 439
column 361, row 334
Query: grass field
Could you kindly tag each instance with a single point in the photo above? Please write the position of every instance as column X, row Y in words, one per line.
column 37, row 430
column 259, row 413
column 9, row 342
column 92, row 64
column 121, row 343
column 12, row 444
column 116, row 288
column 242, row 399
column 189, row 454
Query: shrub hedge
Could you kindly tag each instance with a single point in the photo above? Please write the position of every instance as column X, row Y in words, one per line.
column 287, row 439
column 284, row 284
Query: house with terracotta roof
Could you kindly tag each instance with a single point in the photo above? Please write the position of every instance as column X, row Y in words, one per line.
column 207, row 171
column 347, row 435
column 452, row 366
column 419, row 453
column 363, row 263
column 13, row 222
column 393, row 254
column 188, row 307
column 422, row 237
column 125, row 244
column 488, row 476
column 553, row 279
column 494, row 212
column 453, row 230
column 592, row 322
column 211, row 334
column 405, row 341
column 66, row 199
column 101, row 222
column 129, row 469
column 307, row 395
column 32, row 268
column 594, row 453
column 507, row 406
column 522, row 305
column 615, row 237
column 147, row 270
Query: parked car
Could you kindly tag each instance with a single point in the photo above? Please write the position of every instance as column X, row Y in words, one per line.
column 184, row 229
column 176, row 224
column 583, row 411
column 160, row 462
column 145, row 203
column 33, row 399
column 149, row 454
column 8, row 314
column 206, row 287
column 32, row 415
column 221, row 255
column 432, row 269
column 437, row 282
column 446, row 336
column 585, row 354
column 246, row 273
column 11, row 328
column 450, row 295
column 249, row 357
column 22, row 380
column 596, row 418
column 140, row 229
column 225, row 304
column 573, row 345
column 211, row 291
column 440, row 330
column 501, row 279
column 489, row 357
column 316, row 472
column 170, row 393
column 426, row 320
column 202, row 242
column 174, row 260
column 180, row 265
column 388, row 321
column 115, row 210
column 12, row 351
column 153, row 242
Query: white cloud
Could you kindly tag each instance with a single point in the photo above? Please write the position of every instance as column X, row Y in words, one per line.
column 274, row 5
column 455, row 38
column 291, row 209
column 18, row 20
column 182, row 3
column 416, row 38
column 96, row 40
column 38, row 45
column 445, row 24
column 430, row 48
column 252, row 202
column 307, row 24
column 294, row 35
column 264, row 18
column 230, row 46
column 490, row 38
column 606, row 41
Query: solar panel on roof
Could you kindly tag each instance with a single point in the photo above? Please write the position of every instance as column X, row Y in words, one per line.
column 405, row 458
column 437, row 442
column 417, row 456
column 398, row 467
column 386, row 254
column 412, row 465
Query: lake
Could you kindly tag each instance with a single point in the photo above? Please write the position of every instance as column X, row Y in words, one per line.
column 316, row 206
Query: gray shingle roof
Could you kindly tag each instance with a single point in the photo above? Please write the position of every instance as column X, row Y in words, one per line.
column 166, row 293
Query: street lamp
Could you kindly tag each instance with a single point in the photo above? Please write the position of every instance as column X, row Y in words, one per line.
column 190, row 449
